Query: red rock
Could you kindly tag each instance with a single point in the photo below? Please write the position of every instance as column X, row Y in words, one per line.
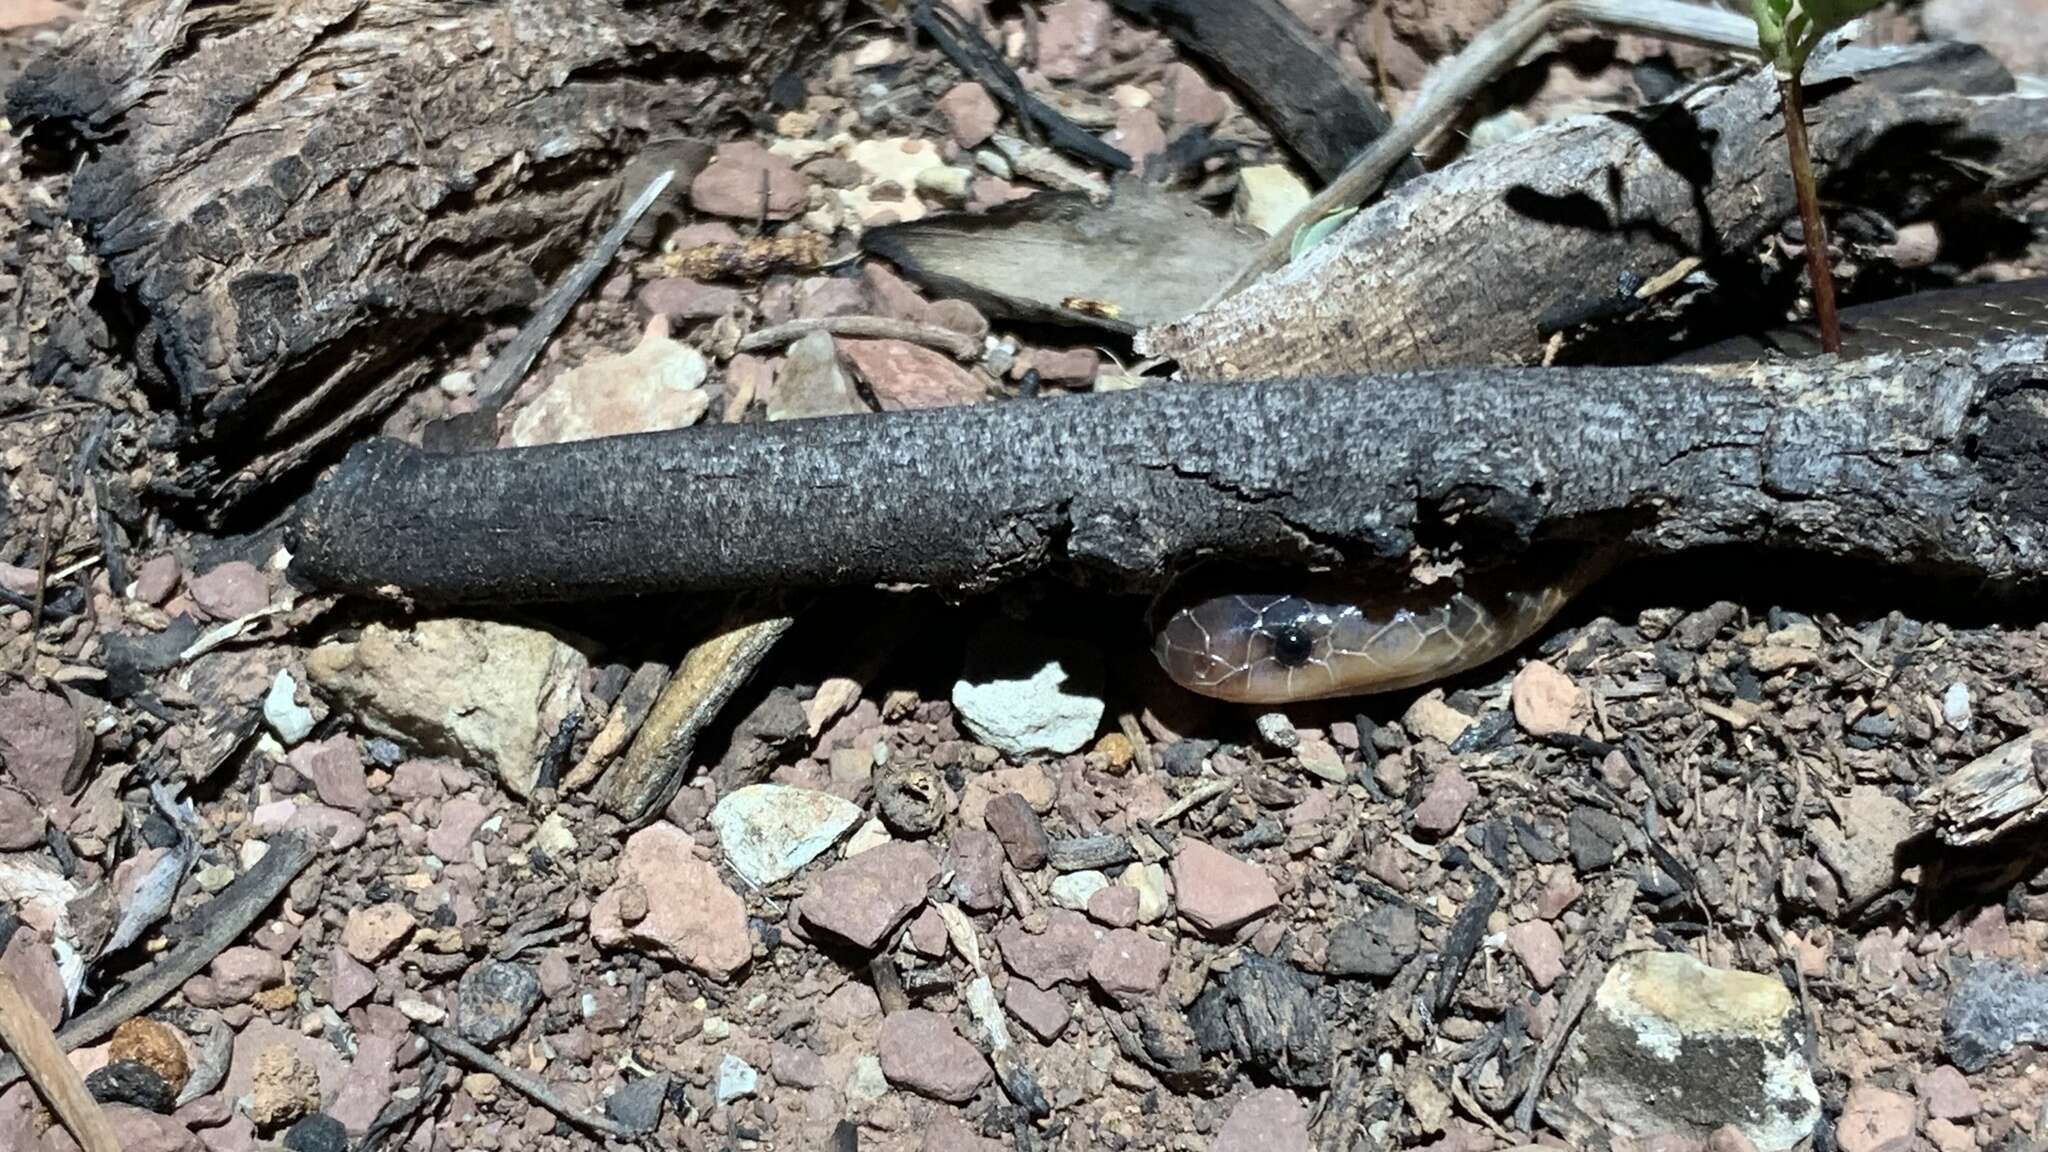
column 822, row 296
column 349, row 983
column 894, row 296
column 1537, row 945
column 1876, row 1120
column 374, row 932
column 1559, row 894
column 39, row 736
column 1949, row 1136
column 1071, row 33
column 1216, row 891
column 731, row 185
column 456, row 827
column 1066, row 365
column 970, row 112
column 1115, row 906
column 1729, row 1138
column 927, row 934
column 1268, row 1120
column 691, row 914
column 337, row 829
column 1444, row 803
column 863, row 899
column 905, row 375
column 1043, row 1013
column 1061, row 952
column 1138, row 134
column 366, row 1086
column 795, row 1067
column 976, row 860
column 334, row 766
column 959, row 316
column 29, row 961
column 137, row 1130
column 1192, row 100
column 1017, row 826
column 20, row 1112
column 1129, row 965
column 922, row 1052
column 22, row 823
column 230, row 591
column 679, row 298
column 239, row 973
column 1546, row 701
column 1947, row 1094
column 157, row 578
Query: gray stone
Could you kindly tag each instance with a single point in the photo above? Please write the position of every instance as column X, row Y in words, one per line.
column 811, row 382
column 1672, row 1046
column 1024, row 692
column 493, row 1000
column 770, row 831
column 1995, row 1008
column 1375, row 944
column 638, row 1104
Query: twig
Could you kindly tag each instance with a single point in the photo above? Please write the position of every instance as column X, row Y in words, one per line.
column 1196, row 796
column 35, row 614
column 25, row 1034
column 219, row 924
column 526, row 1085
column 969, row 53
column 1462, row 941
column 1490, row 54
column 958, row 345
column 1812, row 229
column 1577, row 994
column 495, row 385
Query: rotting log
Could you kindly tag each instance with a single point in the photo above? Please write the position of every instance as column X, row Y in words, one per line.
column 300, row 203
column 1485, row 260
column 1931, row 460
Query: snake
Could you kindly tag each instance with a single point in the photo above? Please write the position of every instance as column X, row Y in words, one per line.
column 1330, row 635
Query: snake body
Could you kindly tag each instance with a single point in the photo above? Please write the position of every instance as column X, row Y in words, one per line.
column 1327, row 636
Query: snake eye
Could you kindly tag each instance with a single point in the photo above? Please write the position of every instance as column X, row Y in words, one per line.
column 1292, row 645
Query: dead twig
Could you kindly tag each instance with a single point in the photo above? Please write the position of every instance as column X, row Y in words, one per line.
column 1592, row 970
column 218, row 925
column 526, row 1085
column 496, row 383
column 958, row 345
column 973, row 55
column 1489, row 55
column 24, row 1033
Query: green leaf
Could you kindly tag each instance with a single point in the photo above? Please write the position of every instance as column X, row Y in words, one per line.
column 1789, row 30
column 1310, row 235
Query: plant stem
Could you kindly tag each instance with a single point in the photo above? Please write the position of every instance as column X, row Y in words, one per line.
column 1814, row 231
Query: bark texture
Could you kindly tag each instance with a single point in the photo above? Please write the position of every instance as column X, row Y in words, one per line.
column 1485, row 260
column 300, row 200
column 1928, row 460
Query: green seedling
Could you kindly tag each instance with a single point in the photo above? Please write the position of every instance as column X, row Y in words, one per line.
column 1788, row 31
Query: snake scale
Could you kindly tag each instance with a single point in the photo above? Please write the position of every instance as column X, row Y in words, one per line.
column 1332, row 636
